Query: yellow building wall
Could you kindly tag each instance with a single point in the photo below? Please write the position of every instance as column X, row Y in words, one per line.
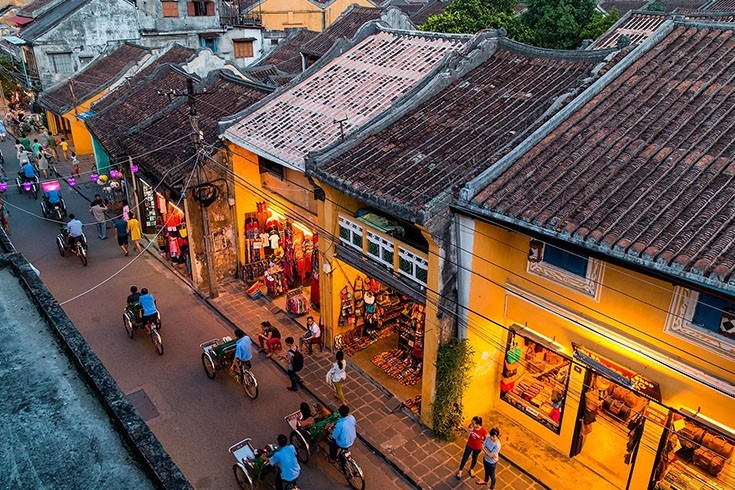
column 81, row 138
column 291, row 14
column 567, row 316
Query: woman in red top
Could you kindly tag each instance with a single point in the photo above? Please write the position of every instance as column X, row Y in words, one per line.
column 474, row 445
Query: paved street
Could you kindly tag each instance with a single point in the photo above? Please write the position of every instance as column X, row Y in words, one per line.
column 197, row 419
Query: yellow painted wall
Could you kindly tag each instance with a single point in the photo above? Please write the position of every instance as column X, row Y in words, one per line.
column 81, row 138
column 245, row 166
column 290, row 14
column 500, row 264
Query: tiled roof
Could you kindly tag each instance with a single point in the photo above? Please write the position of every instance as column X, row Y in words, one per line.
column 432, row 7
column 644, row 171
column 671, row 5
column 97, row 76
column 287, row 55
column 31, row 9
column 442, row 139
column 133, row 106
column 623, row 6
column 352, row 88
column 345, row 26
column 225, row 94
column 707, row 15
column 175, row 54
column 637, row 26
column 721, row 5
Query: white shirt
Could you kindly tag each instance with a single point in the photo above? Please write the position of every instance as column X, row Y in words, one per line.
column 336, row 374
column 315, row 330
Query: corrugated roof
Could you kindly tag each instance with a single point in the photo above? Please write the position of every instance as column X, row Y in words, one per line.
column 644, row 171
column 98, row 75
column 345, row 27
column 351, row 88
column 50, row 19
column 442, row 140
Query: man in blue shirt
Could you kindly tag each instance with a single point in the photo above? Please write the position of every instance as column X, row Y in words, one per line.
column 285, row 459
column 243, row 351
column 29, row 171
column 53, row 196
column 148, row 303
column 121, row 232
column 73, row 230
column 344, row 433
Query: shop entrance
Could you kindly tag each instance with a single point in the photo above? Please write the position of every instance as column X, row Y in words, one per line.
column 609, row 427
column 381, row 330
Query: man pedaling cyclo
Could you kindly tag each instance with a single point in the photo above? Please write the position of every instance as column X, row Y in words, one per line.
column 29, row 172
column 243, row 352
column 52, row 198
column 73, row 231
column 148, row 303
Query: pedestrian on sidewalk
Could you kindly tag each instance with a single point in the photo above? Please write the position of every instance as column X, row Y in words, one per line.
column 98, row 209
column 4, row 217
column 491, row 454
column 121, row 232
column 269, row 338
column 294, row 364
column 336, row 376
column 476, row 437
column 135, row 233
column 65, row 148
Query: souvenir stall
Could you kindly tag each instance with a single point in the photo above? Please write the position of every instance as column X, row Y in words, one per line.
column 280, row 260
column 535, row 376
column 382, row 330
column 696, row 453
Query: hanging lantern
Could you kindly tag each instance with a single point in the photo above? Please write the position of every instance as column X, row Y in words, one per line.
column 3, row 186
column 103, row 178
column 133, row 168
column 26, row 186
column 71, row 181
column 93, row 177
column 107, row 189
column 114, row 174
column 115, row 184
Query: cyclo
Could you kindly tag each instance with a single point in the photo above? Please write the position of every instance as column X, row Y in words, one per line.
column 133, row 320
column 251, row 467
column 307, row 440
column 78, row 248
column 57, row 210
column 218, row 354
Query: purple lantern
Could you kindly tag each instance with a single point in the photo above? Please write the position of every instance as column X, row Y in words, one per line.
column 26, row 186
column 3, row 186
column 71, row 181
column 93, row 177
column 133, row 168
column 114, row 174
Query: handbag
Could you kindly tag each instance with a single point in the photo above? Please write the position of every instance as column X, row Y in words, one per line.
column 586, row 428
column 506, row 385
column 709, row 461
column 615, row 407
column 619, row 392
column 718, row 444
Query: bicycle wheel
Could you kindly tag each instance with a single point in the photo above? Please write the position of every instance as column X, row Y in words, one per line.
column 57, row 213
column 302, row 447
column 157, row 341
column 82, row 253
column 249, row 384
column 128, row 326
column 34, row 189
column 60, row 245
column 209, row 367
column 243, row 477
column 353, row 474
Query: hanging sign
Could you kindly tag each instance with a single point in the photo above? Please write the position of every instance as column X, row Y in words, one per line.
column 619, row 374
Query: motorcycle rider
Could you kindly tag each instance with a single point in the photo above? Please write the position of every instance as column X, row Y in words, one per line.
column 148, row 303
column 73, row 231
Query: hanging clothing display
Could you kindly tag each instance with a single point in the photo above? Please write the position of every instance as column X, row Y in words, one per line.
column 296, row 302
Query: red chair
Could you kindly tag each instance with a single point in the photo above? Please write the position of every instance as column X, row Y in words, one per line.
column 318, row 341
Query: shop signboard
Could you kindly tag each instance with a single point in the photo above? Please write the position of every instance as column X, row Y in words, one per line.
column 149, row 205
column 619, row 374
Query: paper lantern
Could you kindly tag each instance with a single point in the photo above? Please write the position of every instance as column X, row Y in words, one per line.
column 3, row 186
column 115, row 184
column 71, row 181
column 26, row 186
column 93, row 177
column 104, row 178
column 114, row 174
column 133, row 168
column 107, row 189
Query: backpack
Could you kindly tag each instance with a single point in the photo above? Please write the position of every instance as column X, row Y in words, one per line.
column 297, row 363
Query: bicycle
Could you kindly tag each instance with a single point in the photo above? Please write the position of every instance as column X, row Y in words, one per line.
column 219, row 354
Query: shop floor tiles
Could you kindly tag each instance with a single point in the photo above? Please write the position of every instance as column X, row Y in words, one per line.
column 364, row 360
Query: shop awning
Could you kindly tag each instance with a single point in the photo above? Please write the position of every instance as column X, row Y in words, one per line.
column 19, row 21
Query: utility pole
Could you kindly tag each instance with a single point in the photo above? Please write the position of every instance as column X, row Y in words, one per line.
column 201, row 179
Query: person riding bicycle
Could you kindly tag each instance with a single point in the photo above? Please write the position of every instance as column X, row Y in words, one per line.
column 52, row 198
column 243, row 351
column 134, row 302
column 148, row 303
column 284, row 459
column 73, row 231
column 344, row 433
column 28, row 171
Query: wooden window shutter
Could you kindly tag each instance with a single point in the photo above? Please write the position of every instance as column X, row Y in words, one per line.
column 190, row 9
column 243, row 49
column 210, row 8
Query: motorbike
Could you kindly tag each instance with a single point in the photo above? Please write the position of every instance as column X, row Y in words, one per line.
column 79, row 248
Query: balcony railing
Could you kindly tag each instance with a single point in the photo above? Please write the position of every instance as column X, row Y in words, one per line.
column 231, row 17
